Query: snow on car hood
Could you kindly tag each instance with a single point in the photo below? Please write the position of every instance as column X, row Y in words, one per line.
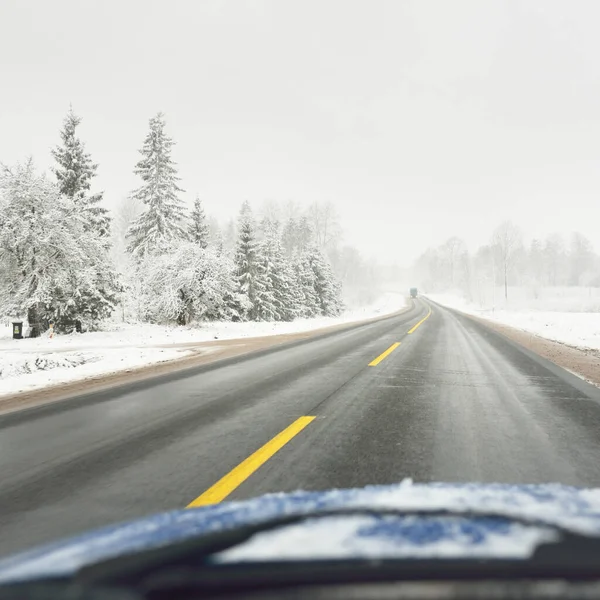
column 357, row 536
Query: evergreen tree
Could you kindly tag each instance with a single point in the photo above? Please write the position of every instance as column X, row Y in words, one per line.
column 305, row 277
column 215, row 235
column 217, row 241
column 230, row 237
column 264, row 305
column 304, row 234
column 250, row 270
column 74, row 172
column 53, row 269
column 289, row 236
column 269, row 226
column 297, row 235
column 285, row 291
column 327, row 288
column 199, row 230
column 161, row 223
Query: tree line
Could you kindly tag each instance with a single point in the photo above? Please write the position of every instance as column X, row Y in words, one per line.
column 507, row 260
column 63, row 261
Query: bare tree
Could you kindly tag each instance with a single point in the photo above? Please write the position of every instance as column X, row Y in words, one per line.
column 555, row 259
column 453, row 251
column 485, row 274
column 507, row 241
column 581, row 259
column 290, row 210
column 325, row 224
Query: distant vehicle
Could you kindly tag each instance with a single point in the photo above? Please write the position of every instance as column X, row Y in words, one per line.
column 413, row 292
column 429, row 540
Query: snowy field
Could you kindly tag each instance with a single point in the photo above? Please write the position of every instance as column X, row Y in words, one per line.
column 552, row 299
column 557, row 314
column 35, row 363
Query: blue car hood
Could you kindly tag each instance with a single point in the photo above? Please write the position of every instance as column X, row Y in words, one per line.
column 342, row 536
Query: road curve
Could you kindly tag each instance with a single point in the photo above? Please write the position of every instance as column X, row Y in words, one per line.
column 429, row 394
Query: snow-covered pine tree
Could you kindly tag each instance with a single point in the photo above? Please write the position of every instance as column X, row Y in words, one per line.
column 215, row 235
column 297, row 235
column 289, row 236
column 199, row 231
column 304, row 234
column 74, row 172
column 305, row 277
column 264, row 306
column 217, row 241
column 268, row 226
column 250, row 269
column 162, row 221
column 230, row 237
column 269, row 306
column 285, row 290
column 327, row 288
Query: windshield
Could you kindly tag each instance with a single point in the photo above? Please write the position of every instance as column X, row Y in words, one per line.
column 282, row 247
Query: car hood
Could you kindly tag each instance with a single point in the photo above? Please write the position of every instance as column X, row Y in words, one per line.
column 352, row 536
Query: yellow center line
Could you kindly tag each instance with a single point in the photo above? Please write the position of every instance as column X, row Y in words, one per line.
column 220, row 490
column 384, row 355
column 420, row 322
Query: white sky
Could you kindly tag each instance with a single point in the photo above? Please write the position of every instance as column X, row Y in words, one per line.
column 419, row 120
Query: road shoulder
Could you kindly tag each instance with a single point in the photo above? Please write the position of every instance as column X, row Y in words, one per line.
column 583, row 362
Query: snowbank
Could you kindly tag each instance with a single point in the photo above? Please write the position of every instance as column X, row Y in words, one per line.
column 34, row 363
column 30, row 370
column 581, row 329
column 14, row 364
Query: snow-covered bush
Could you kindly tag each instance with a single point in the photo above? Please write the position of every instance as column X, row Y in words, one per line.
column 188, row 284
column 53, row 270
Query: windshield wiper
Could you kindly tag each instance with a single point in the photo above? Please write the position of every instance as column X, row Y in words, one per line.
column 190, row 560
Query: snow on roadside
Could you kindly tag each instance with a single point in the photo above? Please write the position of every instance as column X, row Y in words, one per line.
column 14, row 364
column 35, row 363
column 573, row 328
column 124, row 335
column 25, row 372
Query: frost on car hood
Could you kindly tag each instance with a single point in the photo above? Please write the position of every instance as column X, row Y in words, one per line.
column 342, row 537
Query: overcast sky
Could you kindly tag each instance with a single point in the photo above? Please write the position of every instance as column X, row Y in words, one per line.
column 419, row 120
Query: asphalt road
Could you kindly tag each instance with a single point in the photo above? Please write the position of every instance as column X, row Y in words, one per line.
column 454, row 402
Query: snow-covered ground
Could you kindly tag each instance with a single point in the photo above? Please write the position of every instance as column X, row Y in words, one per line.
column 34, row 363
column 28, row 370
column 566, row 325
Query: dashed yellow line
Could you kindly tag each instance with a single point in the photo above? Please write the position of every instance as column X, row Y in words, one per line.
column 413, row 329
column 384, row 355
column 220, row 490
